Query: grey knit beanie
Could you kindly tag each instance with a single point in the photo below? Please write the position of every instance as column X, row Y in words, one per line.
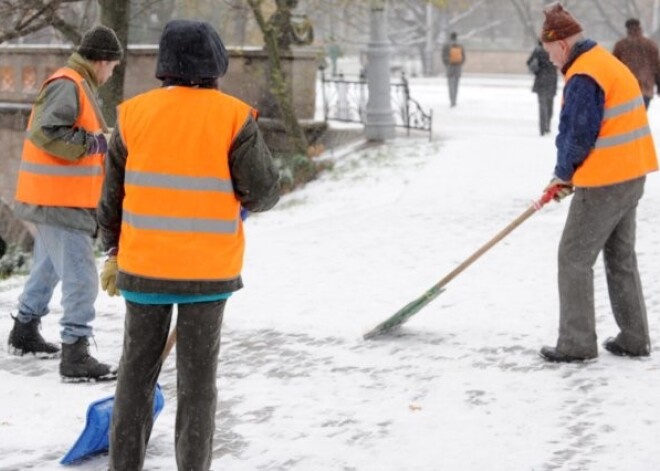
column 100, row 44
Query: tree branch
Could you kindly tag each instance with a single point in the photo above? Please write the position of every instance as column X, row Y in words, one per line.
column 14, row 34
column 69, row 31
column 606, row 17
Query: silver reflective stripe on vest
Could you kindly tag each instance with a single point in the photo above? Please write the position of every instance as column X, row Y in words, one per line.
column 61, row 170
column 612, row 141
column 177, row 224
column 623, row 108
column 160, row 180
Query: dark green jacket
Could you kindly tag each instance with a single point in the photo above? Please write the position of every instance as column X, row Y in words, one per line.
column 54, row 114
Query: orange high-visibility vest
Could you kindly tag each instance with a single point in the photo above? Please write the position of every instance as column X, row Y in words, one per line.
column 624, row 149
column 180, row 217
column 46, row 180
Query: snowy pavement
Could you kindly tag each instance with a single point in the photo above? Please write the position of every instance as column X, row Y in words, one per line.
column 459, row 387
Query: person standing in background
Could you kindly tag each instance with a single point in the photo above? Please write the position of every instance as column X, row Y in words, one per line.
column 453, row 57
column 59, row 185
column 641, row 56
column 545, row 84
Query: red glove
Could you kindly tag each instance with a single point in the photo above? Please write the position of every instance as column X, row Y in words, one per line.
column 565, row 188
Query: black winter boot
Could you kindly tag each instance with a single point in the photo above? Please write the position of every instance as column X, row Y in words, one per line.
column 25, row 338
column 612, row 346
column 77, row 365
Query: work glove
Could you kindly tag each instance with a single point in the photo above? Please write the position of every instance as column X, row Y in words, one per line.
column 109, row 276
column 565, row 188
column 98, row 144
column 244, row 213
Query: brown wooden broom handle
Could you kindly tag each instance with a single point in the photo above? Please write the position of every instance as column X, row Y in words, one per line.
column 169, row 344
column 487, row 246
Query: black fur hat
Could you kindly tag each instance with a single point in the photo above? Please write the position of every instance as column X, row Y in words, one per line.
column 100, row 44
column 190, row 51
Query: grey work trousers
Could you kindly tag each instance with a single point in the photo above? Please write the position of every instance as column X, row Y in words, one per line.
column 601, row 219
column 197, row 349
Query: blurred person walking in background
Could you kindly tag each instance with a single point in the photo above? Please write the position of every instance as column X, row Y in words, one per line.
column 545, row 84
column 641, row 56
column 453, row 57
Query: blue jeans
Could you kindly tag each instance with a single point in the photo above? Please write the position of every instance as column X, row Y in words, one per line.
column 65, row 255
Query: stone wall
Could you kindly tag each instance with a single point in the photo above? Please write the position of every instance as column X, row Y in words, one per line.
column 496, row 62
column 13, row 120
column 10, row 153
column 480, row 61
column 13, row 231
column 24, row 68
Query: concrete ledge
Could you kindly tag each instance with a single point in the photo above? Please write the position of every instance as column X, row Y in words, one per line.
column 14, row 116
column 275, row 136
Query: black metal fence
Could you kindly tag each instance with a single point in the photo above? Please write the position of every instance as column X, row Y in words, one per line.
column 346, row 100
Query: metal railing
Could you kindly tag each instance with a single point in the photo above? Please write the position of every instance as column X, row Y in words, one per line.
column 346, row 100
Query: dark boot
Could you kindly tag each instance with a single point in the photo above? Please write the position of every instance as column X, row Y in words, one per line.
column 77, row 365
column 553, row 355
column 25, row 338
column 614, row 348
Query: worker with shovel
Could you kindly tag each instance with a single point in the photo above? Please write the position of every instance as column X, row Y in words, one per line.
column 182, row 161
column 604, row 151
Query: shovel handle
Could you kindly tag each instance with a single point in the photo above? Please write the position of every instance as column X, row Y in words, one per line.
column 95, row 106
column 169, row 344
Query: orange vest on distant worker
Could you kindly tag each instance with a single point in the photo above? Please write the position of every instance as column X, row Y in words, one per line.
column 181, row 218
column 46, row 180
column 624, row 149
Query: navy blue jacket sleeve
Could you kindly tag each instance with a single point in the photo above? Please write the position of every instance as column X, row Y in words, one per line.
column 579, row 124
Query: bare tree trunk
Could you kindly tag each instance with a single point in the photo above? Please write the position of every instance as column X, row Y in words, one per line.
column 278, row 84
column 525, row 15
column 115, row 15
column 239, row 15
column 430, row 43
column 608, row 21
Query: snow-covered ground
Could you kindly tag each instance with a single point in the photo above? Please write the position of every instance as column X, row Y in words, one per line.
column 460, row 387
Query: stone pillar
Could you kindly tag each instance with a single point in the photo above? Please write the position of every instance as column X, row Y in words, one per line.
column 379, row 124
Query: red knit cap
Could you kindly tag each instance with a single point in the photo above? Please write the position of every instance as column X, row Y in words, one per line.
column 558, row 24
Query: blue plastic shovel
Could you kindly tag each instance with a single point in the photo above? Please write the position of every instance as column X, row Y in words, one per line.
column 95, row 438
